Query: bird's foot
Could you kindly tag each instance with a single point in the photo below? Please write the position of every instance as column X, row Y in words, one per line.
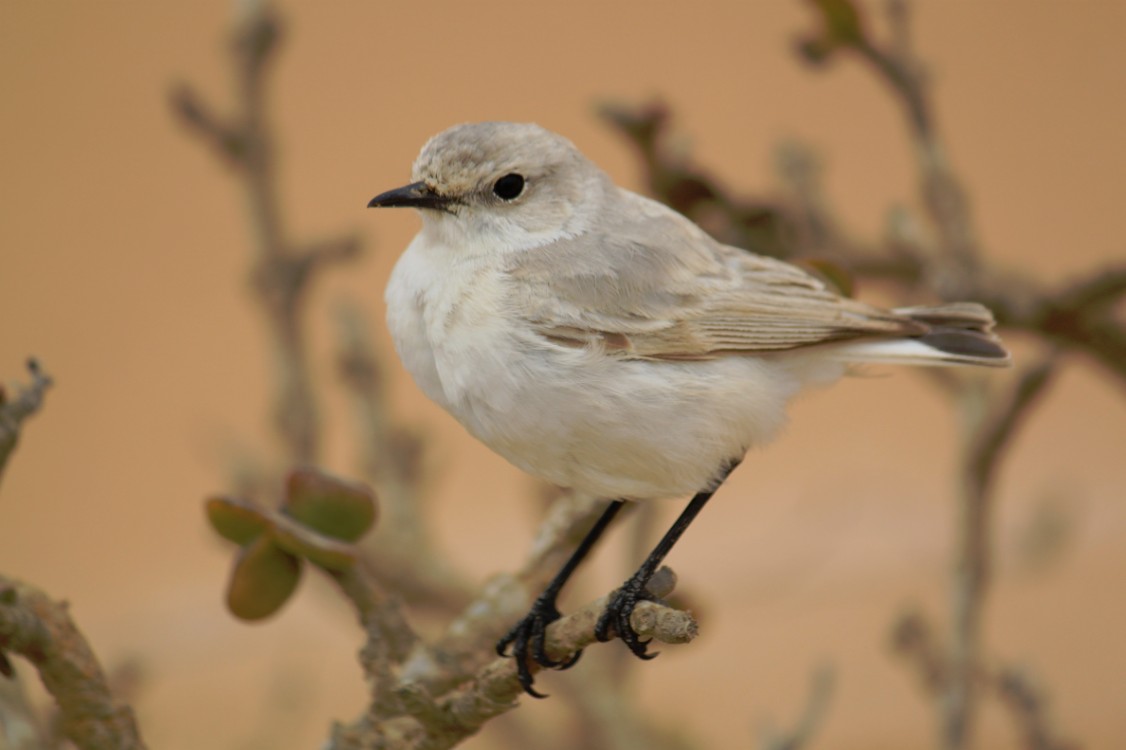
column 615, row 619
column 527, row 639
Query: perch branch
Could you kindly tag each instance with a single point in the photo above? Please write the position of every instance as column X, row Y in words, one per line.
column 435, row 724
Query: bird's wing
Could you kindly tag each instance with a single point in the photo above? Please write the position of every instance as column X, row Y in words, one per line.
column 650, row 284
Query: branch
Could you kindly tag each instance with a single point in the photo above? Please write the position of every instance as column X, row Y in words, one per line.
column 284, row 270
column 469, row 640
column 989, row 435
column 40, row 630
column 13, row 411
column 493, row 689
column 401, row 551
column 813, row 715
column 994, row 434
column 1029, row 708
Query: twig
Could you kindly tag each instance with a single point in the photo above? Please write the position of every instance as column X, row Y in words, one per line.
column 1029, row 708
column 989, row 434
column 283, row 270
column 494, row 687
column 913, row 638
column 939, row 257
column 811, row 719
column 40, row 630
column 469, row 639
column 401, row 551
column 13, row 411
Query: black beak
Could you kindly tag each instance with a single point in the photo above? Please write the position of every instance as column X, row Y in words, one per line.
column 415, row 195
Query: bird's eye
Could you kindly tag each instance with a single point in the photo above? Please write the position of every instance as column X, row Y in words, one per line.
column 509, row 187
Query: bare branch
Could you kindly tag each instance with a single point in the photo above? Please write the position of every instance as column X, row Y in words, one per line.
column 40, row 630
column 913, row 638
column 812, row 716
column 1029, row 708
column 994, row 433
column 493, row 689
column 283, row 271
column 400, row 550
column 13, row 411
column 990, row 432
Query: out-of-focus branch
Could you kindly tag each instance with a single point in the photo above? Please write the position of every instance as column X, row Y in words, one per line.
column 934, row 254
column 15, row 409
column 401, row 551
column 40, row 630
column 1029, row 708
column 20, row 726
column 811, row 719
column 990, row 432
column 284, row 269
column 913, row 638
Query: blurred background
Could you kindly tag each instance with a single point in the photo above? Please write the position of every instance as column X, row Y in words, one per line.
column 125, row 251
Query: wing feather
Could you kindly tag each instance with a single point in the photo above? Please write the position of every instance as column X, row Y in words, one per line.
column 655, row 286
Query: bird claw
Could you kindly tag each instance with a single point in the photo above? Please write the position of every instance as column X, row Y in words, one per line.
column 615, row 619
column 528, row 641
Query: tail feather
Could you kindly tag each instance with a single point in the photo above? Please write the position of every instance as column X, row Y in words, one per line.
column 959, row 333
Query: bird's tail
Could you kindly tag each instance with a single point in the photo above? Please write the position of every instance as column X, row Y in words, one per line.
column 959, row 333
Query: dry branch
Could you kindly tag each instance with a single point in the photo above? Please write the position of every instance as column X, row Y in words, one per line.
column 932, row 255
column 429, row 723
column 284, row 269
column 401, row 551
column 14, row 410
column 40, row 630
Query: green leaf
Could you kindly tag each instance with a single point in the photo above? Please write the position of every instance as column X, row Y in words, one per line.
column 263, row 579
column 235, row 520
column 329, row 505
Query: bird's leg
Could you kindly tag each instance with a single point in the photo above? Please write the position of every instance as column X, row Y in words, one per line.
column 531, row 630
column 616, row 616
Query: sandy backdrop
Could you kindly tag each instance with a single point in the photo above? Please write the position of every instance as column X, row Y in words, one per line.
column 123, row 252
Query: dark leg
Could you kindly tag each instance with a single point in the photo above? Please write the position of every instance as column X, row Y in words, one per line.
column 621, row 604
column 531, row 630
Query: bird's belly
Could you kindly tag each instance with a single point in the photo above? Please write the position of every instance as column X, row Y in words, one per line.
column 621, row 429
column 578, row 417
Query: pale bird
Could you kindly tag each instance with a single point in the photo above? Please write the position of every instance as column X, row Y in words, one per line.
column 603, row 342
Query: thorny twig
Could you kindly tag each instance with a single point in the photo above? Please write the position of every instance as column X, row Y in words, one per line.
column 40, row 630
column 14, row 410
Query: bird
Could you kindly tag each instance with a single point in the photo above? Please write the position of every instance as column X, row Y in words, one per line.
column 603, row 342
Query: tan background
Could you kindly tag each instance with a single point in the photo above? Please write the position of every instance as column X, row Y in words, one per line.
column 124, row 246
